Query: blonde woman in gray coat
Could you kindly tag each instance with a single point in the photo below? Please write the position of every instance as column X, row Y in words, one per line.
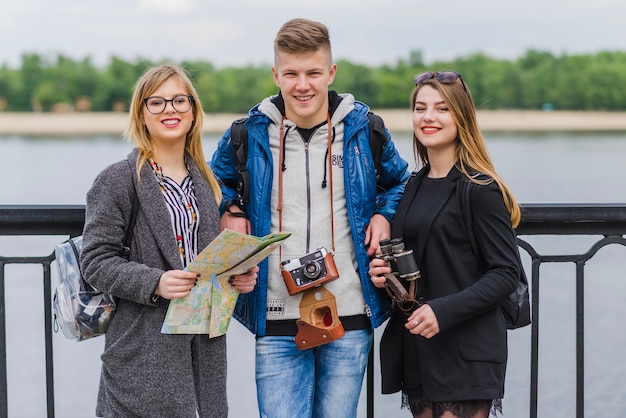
column 146, row 373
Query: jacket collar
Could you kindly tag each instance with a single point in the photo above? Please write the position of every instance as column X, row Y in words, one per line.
column 435, row 205
column 153, row 207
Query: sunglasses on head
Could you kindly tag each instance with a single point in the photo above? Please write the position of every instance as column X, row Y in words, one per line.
column 445, row 77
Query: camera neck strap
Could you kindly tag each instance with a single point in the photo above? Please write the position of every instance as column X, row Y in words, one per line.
column 281, row 168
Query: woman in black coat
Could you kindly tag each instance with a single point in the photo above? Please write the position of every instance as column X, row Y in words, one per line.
column 447, row 350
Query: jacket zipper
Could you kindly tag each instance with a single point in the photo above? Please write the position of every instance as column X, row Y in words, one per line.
column 308, row 197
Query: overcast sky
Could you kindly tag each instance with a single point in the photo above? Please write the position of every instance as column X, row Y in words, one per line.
column 240, row 32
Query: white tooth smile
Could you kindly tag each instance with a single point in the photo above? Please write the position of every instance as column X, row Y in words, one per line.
column 304, row 97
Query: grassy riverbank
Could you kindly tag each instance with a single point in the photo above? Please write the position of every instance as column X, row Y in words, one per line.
column 31, row 123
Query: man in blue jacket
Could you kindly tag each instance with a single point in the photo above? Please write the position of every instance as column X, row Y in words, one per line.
column 311, row 173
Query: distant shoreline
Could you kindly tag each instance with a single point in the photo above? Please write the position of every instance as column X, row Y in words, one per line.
column 112, row 123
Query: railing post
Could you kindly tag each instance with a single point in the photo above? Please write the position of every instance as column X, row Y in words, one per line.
column 534, row 340
column 47, row 298
column 580, row 339
column 370, row 383
column 4, row 398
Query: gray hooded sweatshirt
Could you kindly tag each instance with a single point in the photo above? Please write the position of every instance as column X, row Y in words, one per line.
column 306, row 211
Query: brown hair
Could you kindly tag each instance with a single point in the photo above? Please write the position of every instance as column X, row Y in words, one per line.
column 302, row 35
column 472, row 155
column 138, row 133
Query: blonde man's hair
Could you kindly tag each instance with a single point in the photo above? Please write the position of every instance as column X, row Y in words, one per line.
column 302, row 36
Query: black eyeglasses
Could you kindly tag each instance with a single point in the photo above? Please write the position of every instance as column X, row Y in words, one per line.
column 445, row 77
column 157, row 104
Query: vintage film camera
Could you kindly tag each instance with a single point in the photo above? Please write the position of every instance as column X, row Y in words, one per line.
column 311, row 270
column 403, row 266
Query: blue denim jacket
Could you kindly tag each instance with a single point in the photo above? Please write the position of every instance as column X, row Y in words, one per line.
column 364, row 199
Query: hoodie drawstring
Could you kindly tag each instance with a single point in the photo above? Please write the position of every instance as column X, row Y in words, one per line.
column 327, row 151
column 281, row 151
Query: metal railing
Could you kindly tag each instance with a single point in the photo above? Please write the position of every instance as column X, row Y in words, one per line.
column 604, row 220
column 34, row 220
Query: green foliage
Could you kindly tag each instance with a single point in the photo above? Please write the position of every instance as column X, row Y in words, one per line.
column 566, row 82
column 353, row 78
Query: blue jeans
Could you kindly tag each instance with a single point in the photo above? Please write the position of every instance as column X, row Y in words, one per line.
column 321, row 382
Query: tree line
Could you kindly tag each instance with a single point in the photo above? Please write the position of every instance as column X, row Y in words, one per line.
column 536, row 80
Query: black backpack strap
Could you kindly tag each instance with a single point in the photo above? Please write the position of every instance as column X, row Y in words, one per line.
column 378, row 139
column 86, row 286
column 128, row 238
column 239, row 141
column 128, row 235
column 516, row 308
column 464, row 189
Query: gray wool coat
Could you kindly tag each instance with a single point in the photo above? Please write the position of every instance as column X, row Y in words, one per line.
column 146, row 373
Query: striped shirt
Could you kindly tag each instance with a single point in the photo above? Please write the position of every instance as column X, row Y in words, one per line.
column 183, row 209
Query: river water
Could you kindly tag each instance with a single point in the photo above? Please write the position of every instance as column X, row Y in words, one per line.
column 555, row 167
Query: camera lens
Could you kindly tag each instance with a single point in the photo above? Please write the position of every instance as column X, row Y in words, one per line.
column 311, row 269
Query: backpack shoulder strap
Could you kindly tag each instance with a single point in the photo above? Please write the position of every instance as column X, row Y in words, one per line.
column 239, row 141
column 464, row 189
column 516, row 307
column 378, row 139
column 128, row 235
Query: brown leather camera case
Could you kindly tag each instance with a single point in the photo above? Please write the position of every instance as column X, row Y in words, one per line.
column 319, row 320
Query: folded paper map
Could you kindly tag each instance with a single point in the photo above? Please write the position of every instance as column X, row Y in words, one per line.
column 209, row 306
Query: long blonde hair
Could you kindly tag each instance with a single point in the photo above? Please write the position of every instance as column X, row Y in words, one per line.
column 138, row 133
column 471, row 151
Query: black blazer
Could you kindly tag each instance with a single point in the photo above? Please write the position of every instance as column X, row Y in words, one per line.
column 464, row 292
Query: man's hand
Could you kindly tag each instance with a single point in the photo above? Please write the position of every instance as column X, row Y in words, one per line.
column 234, row 222
column 378, row 229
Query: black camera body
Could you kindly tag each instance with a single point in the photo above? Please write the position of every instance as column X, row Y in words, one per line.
column 308, row 271
column 403, row 266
